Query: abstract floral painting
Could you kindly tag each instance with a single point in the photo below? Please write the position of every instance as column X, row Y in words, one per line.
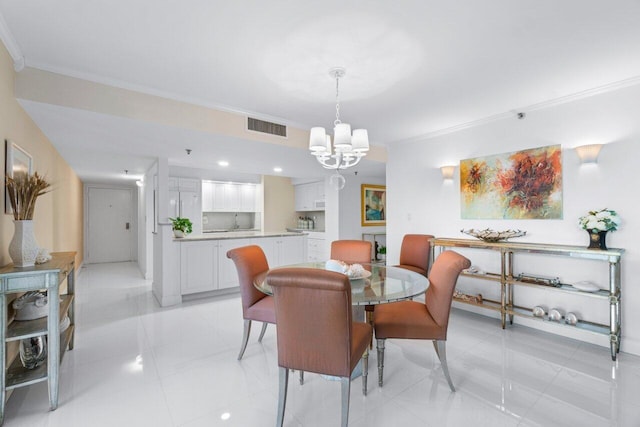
column 521, row 185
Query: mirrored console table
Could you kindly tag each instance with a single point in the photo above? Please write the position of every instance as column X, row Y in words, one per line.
column 47, row 277
column 508, row 281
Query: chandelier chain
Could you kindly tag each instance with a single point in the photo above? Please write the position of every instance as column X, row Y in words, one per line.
column 337, row 102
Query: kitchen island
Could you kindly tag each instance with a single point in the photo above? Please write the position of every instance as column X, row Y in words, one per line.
column 205, row 270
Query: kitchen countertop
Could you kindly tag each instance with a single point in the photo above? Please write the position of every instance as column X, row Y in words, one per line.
column 236, row 235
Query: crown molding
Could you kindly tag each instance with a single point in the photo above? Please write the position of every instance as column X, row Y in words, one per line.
column 11, row 45
column 610, row 87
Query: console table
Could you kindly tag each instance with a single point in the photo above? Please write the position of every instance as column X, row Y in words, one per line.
column 507, row 281
column 47, row 276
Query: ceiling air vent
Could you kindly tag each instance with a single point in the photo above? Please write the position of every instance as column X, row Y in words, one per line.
column 266, row 127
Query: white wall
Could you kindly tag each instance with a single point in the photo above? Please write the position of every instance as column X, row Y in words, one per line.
column 421, row 202
column 350, row 221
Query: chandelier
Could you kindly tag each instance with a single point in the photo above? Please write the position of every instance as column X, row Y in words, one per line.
column 347, row 149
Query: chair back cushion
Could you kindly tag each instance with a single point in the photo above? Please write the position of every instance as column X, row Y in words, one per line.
column 351, row 251
column 415, row 251
column 442, row 282
column 250, row 261
column 313, row 314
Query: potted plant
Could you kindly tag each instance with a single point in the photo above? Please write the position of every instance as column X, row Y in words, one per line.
column 382, row 252
column 181, row 226
column 23, row 191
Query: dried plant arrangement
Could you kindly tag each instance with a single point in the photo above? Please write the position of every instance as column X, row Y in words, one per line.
column 23, row 192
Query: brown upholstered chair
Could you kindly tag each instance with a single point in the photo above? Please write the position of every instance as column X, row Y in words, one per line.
column 315, row 330
column 423, row 321
column 250, row 261
column 351, row 251
column 354, row 252
column 414, row 253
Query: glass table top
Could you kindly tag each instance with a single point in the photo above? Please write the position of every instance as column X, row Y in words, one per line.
column 385, row 284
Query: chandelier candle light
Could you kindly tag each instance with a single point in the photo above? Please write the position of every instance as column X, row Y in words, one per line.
column 348, row 149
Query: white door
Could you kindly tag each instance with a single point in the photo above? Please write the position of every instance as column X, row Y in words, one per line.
column 109, row 227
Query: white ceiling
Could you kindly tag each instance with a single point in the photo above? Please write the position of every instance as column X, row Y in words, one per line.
column 414, row 67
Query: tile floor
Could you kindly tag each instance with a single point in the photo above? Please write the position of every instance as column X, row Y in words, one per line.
column 136, row 364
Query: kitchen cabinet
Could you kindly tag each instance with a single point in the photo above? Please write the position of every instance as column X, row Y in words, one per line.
column 317, row 250
column 204, row 265
column 227, row 273
column 229, row 197
column 48, row 276
column 248, row 198
column 183, row 184
column 309, row 197
column 283, row 250
column 508, row 282
column 198, row 266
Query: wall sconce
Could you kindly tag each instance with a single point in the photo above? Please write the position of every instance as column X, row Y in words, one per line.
column 589, row 153
column 447, row 172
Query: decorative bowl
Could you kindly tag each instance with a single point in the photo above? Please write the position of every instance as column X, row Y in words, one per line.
column 489, row 235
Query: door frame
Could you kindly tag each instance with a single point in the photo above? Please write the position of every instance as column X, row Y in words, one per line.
column 133, row 215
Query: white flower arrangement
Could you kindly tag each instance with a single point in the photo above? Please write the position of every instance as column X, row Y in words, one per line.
column 602, row 220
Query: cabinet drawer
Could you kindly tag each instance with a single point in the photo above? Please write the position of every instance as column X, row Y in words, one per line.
column 30, row 282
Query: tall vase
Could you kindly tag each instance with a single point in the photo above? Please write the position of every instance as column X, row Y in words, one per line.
column 597, row 239
column 23, row 248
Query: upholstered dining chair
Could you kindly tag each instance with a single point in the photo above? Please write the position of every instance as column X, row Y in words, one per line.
column 354, row 252
column 423, row 321
column 351, row 251
column 251, row 261
column 414, row 253
column 315, row 330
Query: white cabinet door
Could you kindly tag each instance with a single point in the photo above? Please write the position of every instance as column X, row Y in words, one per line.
column 303, row 197
column 207, row 196
column 232, row 197
column 227, row 273
column 269, row 246
column 248, row 194
column 316, row 250
column 309, row 197
column 292, row 250
column 218, row 197
column 198, row 266
column 283, row 250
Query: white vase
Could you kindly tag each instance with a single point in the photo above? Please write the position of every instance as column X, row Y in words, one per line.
column 23, row 248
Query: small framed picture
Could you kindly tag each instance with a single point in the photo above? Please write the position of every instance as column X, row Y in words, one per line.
column 373, row 204
column 18, row 161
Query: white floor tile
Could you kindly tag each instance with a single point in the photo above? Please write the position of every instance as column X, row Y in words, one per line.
column 138, row 364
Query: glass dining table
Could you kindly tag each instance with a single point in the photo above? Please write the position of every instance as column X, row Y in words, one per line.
column 380, row 284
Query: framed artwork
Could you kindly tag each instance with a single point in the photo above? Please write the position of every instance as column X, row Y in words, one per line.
column 520, row 185
column 373, row 204
column 17, row 161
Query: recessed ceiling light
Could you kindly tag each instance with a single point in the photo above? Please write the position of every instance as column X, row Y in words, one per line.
column 223, row 163
column 277, row 169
